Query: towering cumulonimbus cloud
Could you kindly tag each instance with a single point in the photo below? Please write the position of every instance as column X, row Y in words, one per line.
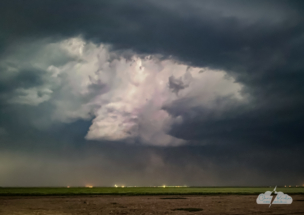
column 123, row 92
column 133, row 108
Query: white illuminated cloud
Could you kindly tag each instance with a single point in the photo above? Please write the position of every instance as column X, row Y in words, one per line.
column 139, row 91
column 127, row 101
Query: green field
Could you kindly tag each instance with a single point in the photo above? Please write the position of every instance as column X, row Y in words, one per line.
column 144, row 191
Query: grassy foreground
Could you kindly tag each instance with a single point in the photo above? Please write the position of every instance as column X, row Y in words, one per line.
column 145, row 191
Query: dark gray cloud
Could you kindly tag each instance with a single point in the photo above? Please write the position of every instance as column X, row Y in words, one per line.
column 259, row 44
column 176, row 84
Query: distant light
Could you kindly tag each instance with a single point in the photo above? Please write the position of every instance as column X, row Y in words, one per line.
column 89, row 186
column 123, row 186
column 164, row 186
column 285, row 185
column 68, row 186
column 289, row 186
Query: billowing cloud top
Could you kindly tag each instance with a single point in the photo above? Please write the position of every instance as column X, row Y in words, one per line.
column 125, row 96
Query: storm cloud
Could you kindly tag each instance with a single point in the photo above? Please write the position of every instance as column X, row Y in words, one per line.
column 195, row 86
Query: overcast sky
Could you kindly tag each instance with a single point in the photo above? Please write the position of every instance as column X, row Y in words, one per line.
column 151, row 92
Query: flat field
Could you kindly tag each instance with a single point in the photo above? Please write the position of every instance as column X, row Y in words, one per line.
column 144, row 200
column 144, row 190
column 146, row 204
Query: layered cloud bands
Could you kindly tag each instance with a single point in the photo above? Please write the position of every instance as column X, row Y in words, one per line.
column 125, row 94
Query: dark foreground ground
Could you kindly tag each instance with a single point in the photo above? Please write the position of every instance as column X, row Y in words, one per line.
column 156, row 204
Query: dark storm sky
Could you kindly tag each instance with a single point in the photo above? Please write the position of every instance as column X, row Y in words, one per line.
column 146, row 92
